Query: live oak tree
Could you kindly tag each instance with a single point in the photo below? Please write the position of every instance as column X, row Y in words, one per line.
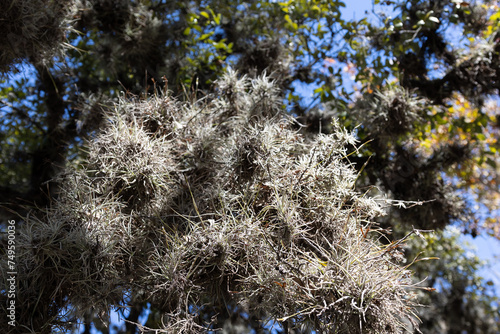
column 110, row 79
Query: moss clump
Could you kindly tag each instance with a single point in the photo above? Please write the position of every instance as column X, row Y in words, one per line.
column 211, row 203
column 32, row 29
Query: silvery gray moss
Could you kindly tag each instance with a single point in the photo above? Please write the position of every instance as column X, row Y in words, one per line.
column 131, row 32
column 190, row 205
column 32, row 29
column 390, row 112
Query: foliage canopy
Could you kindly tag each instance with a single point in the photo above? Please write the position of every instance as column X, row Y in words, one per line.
column 91, row 134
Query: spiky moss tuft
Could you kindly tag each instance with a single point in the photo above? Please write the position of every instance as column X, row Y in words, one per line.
column 390, row 112
column 131, row 35
column 190, row 206
column 32, row 29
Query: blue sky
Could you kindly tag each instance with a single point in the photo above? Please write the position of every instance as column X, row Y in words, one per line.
column 356, row 8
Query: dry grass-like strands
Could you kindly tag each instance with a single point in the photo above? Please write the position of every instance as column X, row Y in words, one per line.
column 32, row 29
column 196, row 205
column 393, row 111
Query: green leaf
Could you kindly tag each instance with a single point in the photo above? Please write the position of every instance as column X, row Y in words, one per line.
column 480, row 136
column 291, row 24
column 205, row 36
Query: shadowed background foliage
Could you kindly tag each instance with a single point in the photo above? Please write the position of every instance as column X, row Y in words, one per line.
column 416, row 81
